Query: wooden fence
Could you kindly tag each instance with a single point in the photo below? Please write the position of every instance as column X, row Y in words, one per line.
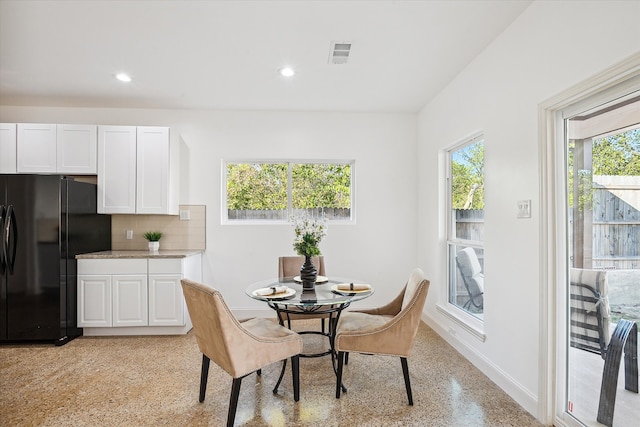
column 283, row 214
column 469, row 224
column 616, row 224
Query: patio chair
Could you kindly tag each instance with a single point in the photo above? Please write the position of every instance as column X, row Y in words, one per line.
column 589, row 331
column 472, row 276
column 239, row 348
column 389, row 330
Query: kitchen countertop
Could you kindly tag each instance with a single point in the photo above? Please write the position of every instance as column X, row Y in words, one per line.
column 137, row 254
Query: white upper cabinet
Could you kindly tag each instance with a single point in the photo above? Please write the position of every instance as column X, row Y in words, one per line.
column 152, row 192
column 8, row 137
column 135, row 172
column 117, row 169
column 36, row 148
column 77, row 149
column 48, row 148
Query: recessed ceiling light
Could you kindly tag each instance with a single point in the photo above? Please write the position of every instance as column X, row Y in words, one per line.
column 123, row 77
column 287, row 71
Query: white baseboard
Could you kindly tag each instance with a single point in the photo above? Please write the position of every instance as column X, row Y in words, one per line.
column 508, row 384
column 136, row 330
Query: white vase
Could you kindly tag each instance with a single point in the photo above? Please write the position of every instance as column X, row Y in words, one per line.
column 154, row 246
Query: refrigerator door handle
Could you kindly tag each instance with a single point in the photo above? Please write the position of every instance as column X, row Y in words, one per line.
column 9, row 238
column 3, row 262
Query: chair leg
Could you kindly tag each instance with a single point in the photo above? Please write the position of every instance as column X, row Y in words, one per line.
column 204, row 374
column 322, row 325
column 346, row 358
column 295, row 370
column 233, row 401
column 407, row 382
column 341, row 355
column 620, row 340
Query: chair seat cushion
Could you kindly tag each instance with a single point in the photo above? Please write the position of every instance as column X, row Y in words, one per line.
column 355, row 321
column 266, row 328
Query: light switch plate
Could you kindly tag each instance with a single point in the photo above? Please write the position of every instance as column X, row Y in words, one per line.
column 185, row 215
column 524, row 209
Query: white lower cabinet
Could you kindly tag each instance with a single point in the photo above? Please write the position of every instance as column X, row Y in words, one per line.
column 94, row 300
column 129, row 299
column 134, row 296
column 112, row 300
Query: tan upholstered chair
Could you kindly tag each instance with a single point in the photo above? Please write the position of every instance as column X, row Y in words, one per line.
column 238, row 348
column 388, row 330
column 289, row 266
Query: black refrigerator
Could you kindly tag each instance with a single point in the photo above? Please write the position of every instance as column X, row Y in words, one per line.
column 45, row 221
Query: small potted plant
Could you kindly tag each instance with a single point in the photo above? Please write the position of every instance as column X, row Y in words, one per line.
column 154, row 240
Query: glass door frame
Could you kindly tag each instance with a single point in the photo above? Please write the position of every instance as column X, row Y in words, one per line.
column 615, row 82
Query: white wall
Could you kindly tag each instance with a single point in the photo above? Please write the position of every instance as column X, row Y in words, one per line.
column 551, row 47
column 379, row 249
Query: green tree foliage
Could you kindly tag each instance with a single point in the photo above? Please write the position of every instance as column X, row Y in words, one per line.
column 321, row 185
column 617, row 154
column 467, row 172
column 263, row 186
column 257, row 186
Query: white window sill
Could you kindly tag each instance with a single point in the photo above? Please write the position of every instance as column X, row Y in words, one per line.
column 467, row 322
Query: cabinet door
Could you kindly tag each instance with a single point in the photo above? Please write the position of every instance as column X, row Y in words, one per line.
column 36, row 148
column 77, row 147
column 166, row 304
column 152, row 191
column 94, row 301
column 116, row 169
column 8, row 138
column 130, row 300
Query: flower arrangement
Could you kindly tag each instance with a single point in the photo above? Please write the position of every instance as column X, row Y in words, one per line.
column 308, row 234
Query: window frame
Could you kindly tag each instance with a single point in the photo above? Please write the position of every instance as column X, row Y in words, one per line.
column 224, row 219
column 467, row 320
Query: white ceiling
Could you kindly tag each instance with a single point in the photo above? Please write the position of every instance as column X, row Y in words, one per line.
column 226, row 54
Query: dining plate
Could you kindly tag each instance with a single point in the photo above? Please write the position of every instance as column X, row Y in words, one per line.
column 282, row 295
column 334, row 288
column 319, row 279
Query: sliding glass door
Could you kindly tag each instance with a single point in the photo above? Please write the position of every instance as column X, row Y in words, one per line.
column 603, row 253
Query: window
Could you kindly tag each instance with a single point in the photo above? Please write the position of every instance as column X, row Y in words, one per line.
column 273, row 191
column 465, row 235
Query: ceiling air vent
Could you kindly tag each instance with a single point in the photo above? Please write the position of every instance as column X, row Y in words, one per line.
column 339, row 52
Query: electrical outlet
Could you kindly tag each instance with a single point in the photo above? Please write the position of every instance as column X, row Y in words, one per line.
column 185, row 215
column 129, row 234
column 524, row 209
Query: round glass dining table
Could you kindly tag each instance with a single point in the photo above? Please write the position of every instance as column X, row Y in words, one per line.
column 328, row 297
column 324, row 298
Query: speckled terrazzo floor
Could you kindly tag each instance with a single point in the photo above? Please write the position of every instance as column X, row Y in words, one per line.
column 153, row 381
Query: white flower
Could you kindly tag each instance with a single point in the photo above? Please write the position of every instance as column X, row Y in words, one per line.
column 308, row 234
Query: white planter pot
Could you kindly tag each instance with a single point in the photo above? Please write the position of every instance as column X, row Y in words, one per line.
column 154, row 246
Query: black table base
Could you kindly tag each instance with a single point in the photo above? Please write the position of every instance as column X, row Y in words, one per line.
column 333, row 311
